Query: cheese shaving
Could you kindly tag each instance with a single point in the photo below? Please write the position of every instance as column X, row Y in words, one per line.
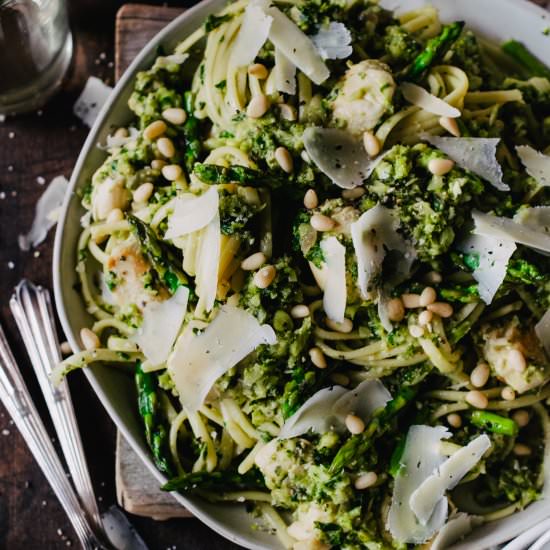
column 478, row 155
column 161, row 325
column 457, row 526
column 206, row 280
column 333, row 42
column 285, row 73
column 296, row 46
column 446, row 477
column 339, row 155
column 491, row 256
column 118, row 141
column 252, row 35
column 508, row 229
column 335, row 295
column 421, row 456
column 45, row 214
column 192, row 213
column 422, row 98
column 198, row 360
column 327, row 409
column 536, row 164
column 542, row 330
column 91, row 100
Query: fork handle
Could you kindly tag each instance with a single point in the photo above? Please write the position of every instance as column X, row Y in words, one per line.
column 32, row 309
column 18, row 402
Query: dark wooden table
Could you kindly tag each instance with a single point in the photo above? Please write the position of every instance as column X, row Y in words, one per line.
column 43, row 145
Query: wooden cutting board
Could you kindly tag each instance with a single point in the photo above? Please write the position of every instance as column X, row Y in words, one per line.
column 137, row 490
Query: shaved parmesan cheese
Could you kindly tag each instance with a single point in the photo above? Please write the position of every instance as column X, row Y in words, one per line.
column 333, row 42
column 285, row 73
column 536, row 217
column 507, row 229
column 492, row 256
column 335, row 296
column 192, row 212
column 456, row 527
column 208, row 262
column 161, row 325
column 90, row 101
column 542, row 330
column 45, row 214
column 422, row 98
column 475, row 154
column 536, row 164
column 327, row 409
column 339, row 155
column 119, row 141
column 421, row 456
column 296, row 46
column 373, row 234
column 252, row 35
column 199, row 360
column 447, row 476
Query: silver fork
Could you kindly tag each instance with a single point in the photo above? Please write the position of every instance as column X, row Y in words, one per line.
column 18, row 402
column 32, row 309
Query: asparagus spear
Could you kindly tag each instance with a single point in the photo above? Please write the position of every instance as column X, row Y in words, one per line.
column 520, row 270
column 216, row 481
column 494, row 423
column 525, row 58
column 294, row 391
column 162, row 259
column 156, row 431
column 211, row 173
column 191, row 132
column 434, row 51
column 358, row 445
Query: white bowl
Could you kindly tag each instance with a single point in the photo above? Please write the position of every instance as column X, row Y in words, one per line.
column 495, row 19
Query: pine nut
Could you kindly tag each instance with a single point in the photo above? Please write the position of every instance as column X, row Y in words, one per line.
column 154, row 130
column 477, row 399
column 115, row 215
column 366, row 480
column 428, row 296
column 174, row 115
column 416, row 331
column 395, row 309
column 411, row 301
column 89, row 339
column 521, row 450
column 371, row 144
column 258, row 71
column 354, row 424
column 288, row 112
column 480, row 375
column 346, row 326
column 339, row 378
column 258, row 106
column 352, row 194
column 318, row 358
column 171, row 172
column 440, row 167
column 284, row 159
column 166, row 147
column 508, row 394
column 254, row 261
column 521, row 418
column 516, row 360
column 443, row 309
column 454, row 420
column 158, row 164
column 320, row 222
column 121, row 133
column 299, row 312
column 425, row 318
column 65, row 348
column 264, row 277
column 310, row 199
column 143, row 192
column 433, row 277
column 451, row 125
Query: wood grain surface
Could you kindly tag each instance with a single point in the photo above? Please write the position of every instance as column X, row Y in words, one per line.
column 34, row 148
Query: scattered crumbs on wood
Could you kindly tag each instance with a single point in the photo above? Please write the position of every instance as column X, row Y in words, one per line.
column 11, row 265
column 40, row 180
column 11, row 135
column 2, row 195
column 10, row 168
column 5, row 432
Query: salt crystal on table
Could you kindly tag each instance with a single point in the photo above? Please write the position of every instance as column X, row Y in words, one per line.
column 11, row 265
column 11, row 135
column 91, row 100
column 40, row 180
